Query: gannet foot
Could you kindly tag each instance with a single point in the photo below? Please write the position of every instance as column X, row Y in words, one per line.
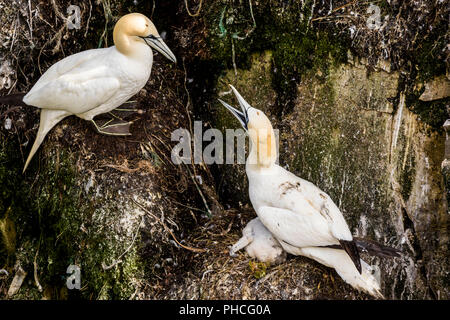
column 113, row 127
column 127, row 108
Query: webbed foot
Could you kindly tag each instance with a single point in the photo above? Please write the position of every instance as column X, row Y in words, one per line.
column 113, row 127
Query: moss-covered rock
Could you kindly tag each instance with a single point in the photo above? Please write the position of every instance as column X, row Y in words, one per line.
column 350, row 121
column 352, row 134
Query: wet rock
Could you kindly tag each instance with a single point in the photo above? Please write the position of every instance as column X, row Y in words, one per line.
column 436, row 89
column 378, row 162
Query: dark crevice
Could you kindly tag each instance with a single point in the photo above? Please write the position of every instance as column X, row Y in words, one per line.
column 418, row 255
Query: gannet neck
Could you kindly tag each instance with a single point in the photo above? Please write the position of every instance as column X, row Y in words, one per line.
column 128, row 33
column 263, row 148
column 132, row 48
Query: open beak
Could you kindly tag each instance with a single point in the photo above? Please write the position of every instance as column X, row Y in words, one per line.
column 241, row 116
column 158, row 44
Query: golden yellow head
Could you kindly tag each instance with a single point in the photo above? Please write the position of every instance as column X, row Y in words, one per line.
column 135, row 28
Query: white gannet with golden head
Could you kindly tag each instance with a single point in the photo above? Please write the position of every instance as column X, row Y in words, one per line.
column 97, row 81
column 295, row 211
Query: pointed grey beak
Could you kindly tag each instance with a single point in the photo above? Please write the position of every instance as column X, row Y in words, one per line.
column 158, row 44
column 241, row 116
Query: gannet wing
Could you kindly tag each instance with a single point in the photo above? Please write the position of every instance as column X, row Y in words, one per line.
column 297, row 193
column 75, row 92
column 67, row 65
column 300, row 230
column 313, row 206
column 307, row 228
column 372, row 247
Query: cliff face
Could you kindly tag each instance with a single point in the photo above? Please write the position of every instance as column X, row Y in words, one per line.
column 366, row 129
column 375, row 158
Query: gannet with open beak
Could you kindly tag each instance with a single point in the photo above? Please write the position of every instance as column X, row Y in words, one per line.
column 294, row 210
column 99, row 80
column 263, row 246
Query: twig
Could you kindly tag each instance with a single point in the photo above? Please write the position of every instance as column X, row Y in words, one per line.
column 153, row 9
column 16, row 22
column 189, row 207
column 89, row 18
column 253, row 27
column 198, row 10
column 233, row 58
column 223, row 233
column 168, row 230
column 188, row 102
column 30, row 22
column 36, row 279
column 199, row 190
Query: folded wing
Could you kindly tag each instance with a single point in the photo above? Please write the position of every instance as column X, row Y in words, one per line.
column 81, row 78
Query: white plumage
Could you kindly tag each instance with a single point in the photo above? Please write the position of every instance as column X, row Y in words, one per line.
column 259, row 244
column 298, row 214
column 99, row 80
column 263, row 246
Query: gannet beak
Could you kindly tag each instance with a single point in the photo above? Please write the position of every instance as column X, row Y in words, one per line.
column 244, row 104
column 241, row 116
column 238, row 114
column 158, row 44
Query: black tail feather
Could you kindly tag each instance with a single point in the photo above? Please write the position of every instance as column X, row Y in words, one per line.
column 372, row 247
column 352, row 251
column 13, row 99
column 376, row 249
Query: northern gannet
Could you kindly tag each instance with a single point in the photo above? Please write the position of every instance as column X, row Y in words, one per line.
column 294, row 210
column 301, row 217
column 97, row 81
column 263, row 246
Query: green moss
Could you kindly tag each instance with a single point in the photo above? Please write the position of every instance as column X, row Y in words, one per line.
column 407, row 174
column 55, row 227
column 433, row 113
column 335, row 144
column 258, row 269
column 8, row 233
column 285, row 31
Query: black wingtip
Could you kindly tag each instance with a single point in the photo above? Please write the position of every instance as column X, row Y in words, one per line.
column 376, row 249
column 352, row 251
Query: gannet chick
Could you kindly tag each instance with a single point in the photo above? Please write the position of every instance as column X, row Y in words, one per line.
column 99, row 80
column 259, row 244
column 294, row 210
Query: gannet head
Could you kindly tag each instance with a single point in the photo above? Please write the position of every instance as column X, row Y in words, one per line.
column 136, row 28
column 260, row 131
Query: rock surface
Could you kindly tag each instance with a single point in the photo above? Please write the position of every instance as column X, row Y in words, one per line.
column 378, row 162
column 140, row 227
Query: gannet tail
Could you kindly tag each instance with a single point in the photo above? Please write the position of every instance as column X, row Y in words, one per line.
column 15, row 99
column 371, row 247
column 49, row 118
column 344, row 266
column 376, row 249
column 352, row 251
